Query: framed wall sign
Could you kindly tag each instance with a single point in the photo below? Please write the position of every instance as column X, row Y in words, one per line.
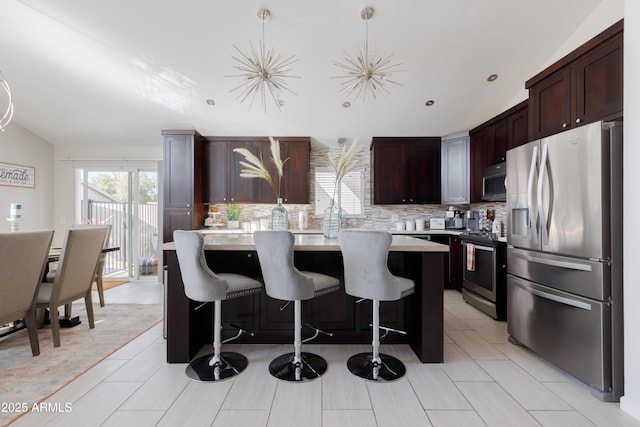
column 17, row 175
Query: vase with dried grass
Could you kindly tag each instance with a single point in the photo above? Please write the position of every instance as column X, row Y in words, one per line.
column 345, row 163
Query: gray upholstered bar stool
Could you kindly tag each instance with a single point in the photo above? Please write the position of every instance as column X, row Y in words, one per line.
column 203, row 285
column 285, row 282
column 366, row 275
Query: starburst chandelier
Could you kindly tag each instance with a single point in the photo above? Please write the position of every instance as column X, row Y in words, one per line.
column 263, row 72
column 8, row 115
column 366, row 73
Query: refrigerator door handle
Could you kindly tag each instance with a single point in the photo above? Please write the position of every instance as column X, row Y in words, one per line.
column 555, row 263
column 544, row 220
column 533, row 221
column 559, row 299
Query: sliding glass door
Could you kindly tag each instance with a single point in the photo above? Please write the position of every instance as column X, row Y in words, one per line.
column 128, row 200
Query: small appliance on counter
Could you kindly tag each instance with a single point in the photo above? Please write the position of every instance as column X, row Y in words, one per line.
column 472, row 220
column 436, row 223
column 454, row 220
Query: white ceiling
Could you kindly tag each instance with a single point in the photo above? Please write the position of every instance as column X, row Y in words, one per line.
column 117, row 72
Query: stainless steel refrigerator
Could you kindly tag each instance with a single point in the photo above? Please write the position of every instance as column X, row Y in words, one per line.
column 564, row 253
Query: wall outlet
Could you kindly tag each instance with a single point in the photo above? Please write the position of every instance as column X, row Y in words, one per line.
column 395, row 217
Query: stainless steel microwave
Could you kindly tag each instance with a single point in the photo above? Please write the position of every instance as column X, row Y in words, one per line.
column 494, row 183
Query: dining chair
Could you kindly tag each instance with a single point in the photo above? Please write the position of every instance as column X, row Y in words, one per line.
column 366, row 275
column 22, row 261
column 97, row 277
column 285, row 282
column 74, row 275
column 203, row 285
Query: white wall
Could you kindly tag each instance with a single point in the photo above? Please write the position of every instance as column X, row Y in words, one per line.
column 631, row 400
column 19, row 146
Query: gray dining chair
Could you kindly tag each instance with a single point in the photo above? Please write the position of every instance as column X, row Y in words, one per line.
column 74, row 275
column 366, row 275
column 97, row 277
column 203, row 285
column 23, row 257
column 285, row 282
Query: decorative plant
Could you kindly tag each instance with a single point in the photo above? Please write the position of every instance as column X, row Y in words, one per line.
column 345, row 163
column 255, row 168
column 233, row 211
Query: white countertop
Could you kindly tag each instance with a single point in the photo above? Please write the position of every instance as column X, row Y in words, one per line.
column 426, row 232
column 309, row 242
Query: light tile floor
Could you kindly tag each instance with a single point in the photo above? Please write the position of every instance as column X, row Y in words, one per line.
column 485, row 381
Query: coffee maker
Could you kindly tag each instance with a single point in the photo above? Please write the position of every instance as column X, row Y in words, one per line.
column 472, row 220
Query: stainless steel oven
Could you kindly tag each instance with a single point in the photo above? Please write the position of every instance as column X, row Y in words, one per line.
column 484, row 285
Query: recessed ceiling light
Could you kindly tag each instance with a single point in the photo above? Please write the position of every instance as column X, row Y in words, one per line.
column 346, row 104
column 492, row 78
column 429, row 103
column 211, row 102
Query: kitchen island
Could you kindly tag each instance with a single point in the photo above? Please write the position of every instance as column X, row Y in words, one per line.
column 420, row 314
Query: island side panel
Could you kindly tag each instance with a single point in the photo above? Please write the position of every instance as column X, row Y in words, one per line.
column 425, row 311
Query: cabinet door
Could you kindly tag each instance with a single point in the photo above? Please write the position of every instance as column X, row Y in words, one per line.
column 176, row 219
column 518, row 128
column 550, row 104
column 500, row 142
column 422, row 177
column 387, row 171
column 455, row 263
column 216, row 154
column 295, row 184
column 178, row 171
column 455, row 170
column 241, row 190
column 479, row 146
column 262, row 190
column 599, row 84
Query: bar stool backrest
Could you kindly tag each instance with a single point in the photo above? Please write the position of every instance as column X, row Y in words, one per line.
column 200, row 283
column 282, row 280
column 366, row 274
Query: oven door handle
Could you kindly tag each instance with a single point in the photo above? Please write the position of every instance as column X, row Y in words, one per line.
column 482, row 248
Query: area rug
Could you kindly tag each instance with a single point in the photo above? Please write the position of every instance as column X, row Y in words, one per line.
column 29, row 379
column 108, row 284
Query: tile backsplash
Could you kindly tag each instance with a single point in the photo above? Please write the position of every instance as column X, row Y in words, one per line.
column 375, row 217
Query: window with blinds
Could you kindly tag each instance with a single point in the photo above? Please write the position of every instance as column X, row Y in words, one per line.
column 350, row 192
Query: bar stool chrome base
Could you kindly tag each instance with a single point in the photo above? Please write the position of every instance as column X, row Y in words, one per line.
column 389, row 369
column 311, row 367
column 231, row 364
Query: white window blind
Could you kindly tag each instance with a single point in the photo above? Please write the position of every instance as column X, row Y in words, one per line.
column 350, row 192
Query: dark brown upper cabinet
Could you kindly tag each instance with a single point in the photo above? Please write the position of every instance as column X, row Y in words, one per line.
column 405, row 170
column 183, row 185
column 490, row 141
column 583, row 87
column 223, row 170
